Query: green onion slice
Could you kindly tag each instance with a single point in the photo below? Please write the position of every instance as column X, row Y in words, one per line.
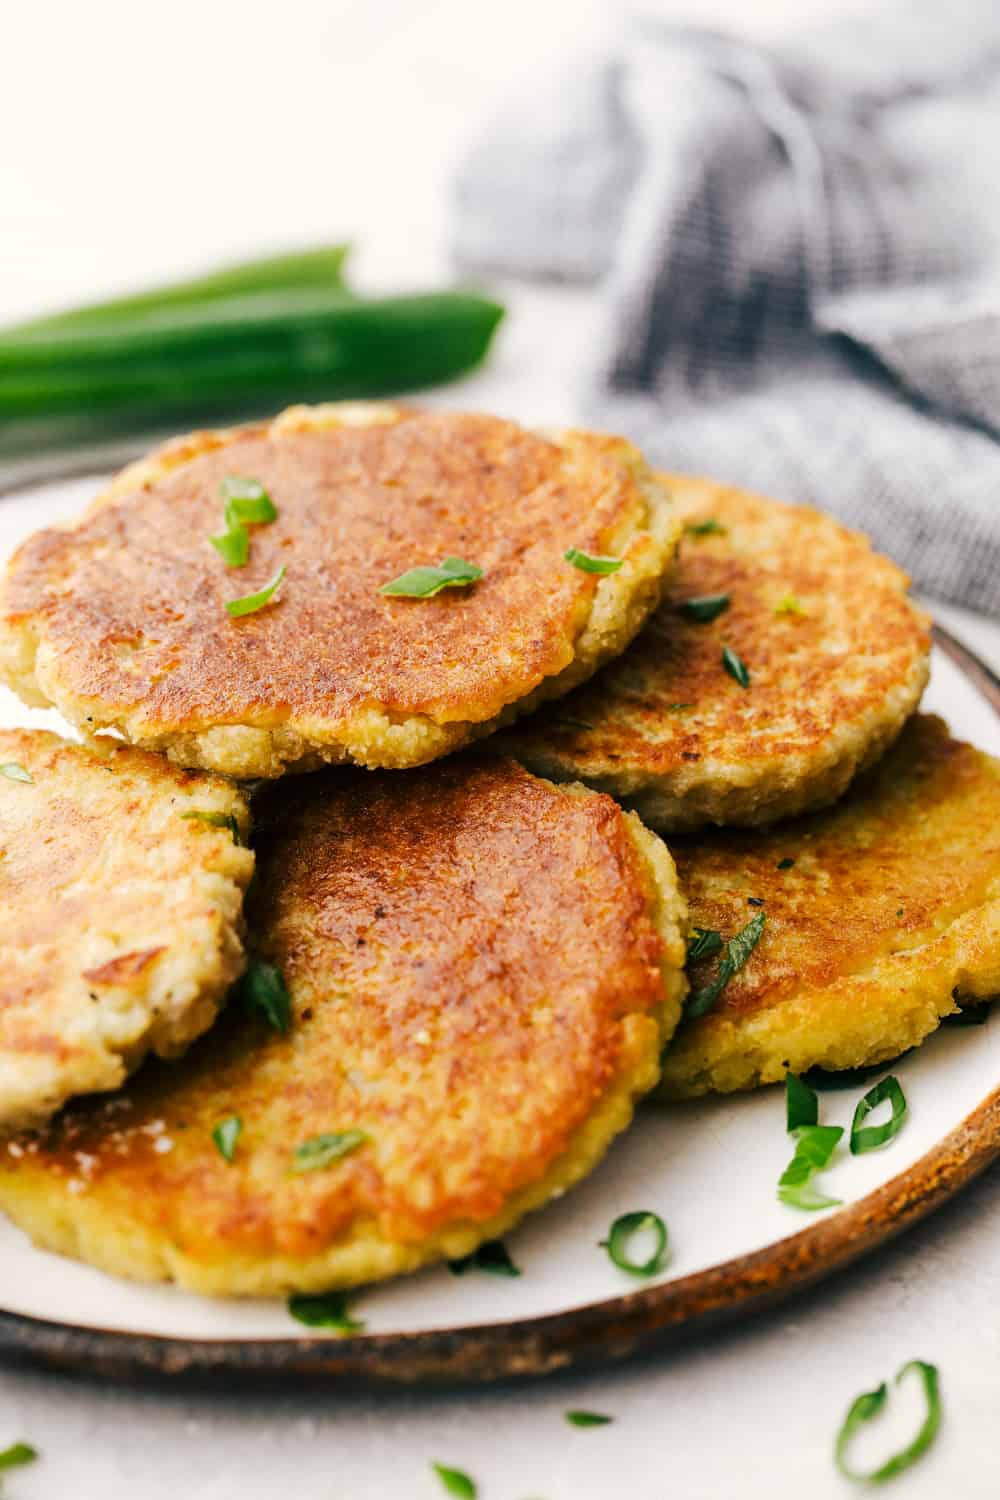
column 705, row 607
column 815, row 1144
column 14, row 771
column 17, row 1455
column 738, row 950
column 247, row 500
column 226, row 1134
column 735, row 666
column 424, row 583
column 866, row 1406
column 216, row 820
column 801, row 1103
column 232, row 545
column 456, row 1482
column 704, row 942
column 711, row 527
column 492, row 1256
column 588, row 1419
column 320, row 1150
column 624, row 1230
column 250, row 603
column 869, row 1137
column 588, row 564
column 327, row 1310
column 263, row 989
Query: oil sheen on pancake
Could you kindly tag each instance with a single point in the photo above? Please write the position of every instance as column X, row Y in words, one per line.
column 887, row 916
column 120, row 621
column 483, row 968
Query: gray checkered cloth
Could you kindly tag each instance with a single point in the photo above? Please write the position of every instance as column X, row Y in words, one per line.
column 799, row 255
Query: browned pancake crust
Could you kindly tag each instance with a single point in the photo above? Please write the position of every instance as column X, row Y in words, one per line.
column 667, row 729
column 892, row 903
column 121, row 621
column 478, row 962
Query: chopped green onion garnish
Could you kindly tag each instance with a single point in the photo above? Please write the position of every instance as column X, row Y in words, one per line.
column 705, row 608
column 16, row 772
column 704, row 942
column 233, row 546
column 785, row 864
column 711, row 527
column 588, row 564
column 456, row 1482
column 216, row 820
column 735, row 666
column 320, row 1150
column 588, row 1419
column 815, row 1144
column 17, row 1455
column 624, row 1230
column 247, row 500
column 250, row 603
column 788, row 605
column 866, row 1406
column 801, row 1103
column 738, row 950
column 424, row 583
column 870, row 1137
column 226, row 1134
column 493, row 1256
column 327, row 1310
column 263, row 988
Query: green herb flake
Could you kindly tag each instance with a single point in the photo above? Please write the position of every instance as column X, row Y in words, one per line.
column 735, row 666
column 789, row 605
column 588, row 564
column 737, row 951
column 711, row 527
column 627, row 1228
column 815, row 1145
column 232, row 545
column 216, row 820
column 16, row 1456
column 866, row 1138
column 322, row 1150
column 263, row 989
column 247, row 501
column 14, row 771
column 249, row 604
column 801, row 1103
column 456, row 1482
column 327, row 1310
column 492, row 1256
column 785, row 864
column 704, row 608
column 868, row 1405
column 226, row 1134
column 588, row 1419
column 424, row 583
column 704, row 942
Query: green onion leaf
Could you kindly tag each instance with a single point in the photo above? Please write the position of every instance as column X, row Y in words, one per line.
column 588, row 564
column 704, row 942
column 424, row 583
column 624, row 1230
column 711, row 527
column 735, row 666
column 16, row 772
column 870, row 1137
column 226, row 1134
column 785, row 864
column 247, row 501
column 327, row 1310
column 801, row 1103
column 17, row 1455
column 705, row 608
column 250, row 603
column 216, row 820
column 738, row 950
column 815, row 1144
column 263, row 988
column 588, row 1419
column 492, row 1256
column 456, row 1482
column 232, row 545
column 320, row 1150
column 866, row 1406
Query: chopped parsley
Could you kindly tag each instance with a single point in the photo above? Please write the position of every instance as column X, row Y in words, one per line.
column 737, row 951
column 249, row 604
column 492, row 1256
column 588, row 564
column 226, row 1134
column 424, row 583
column 705, row 607
column 735, row 666
column 14, row 771
column 321, row 1150
column 327, row 1310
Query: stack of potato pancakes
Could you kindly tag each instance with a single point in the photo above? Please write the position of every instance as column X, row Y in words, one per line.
column 387, row 1004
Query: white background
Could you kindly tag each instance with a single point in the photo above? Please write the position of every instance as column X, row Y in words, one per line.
column 139, row 141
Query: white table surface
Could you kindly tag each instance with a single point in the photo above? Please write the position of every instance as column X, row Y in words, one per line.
column 142, row 141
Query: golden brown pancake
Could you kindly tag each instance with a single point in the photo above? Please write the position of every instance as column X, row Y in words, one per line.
column 482, row 967
column 888, row 915
column 120, row 620
column 836, row 654
column 121, row 894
